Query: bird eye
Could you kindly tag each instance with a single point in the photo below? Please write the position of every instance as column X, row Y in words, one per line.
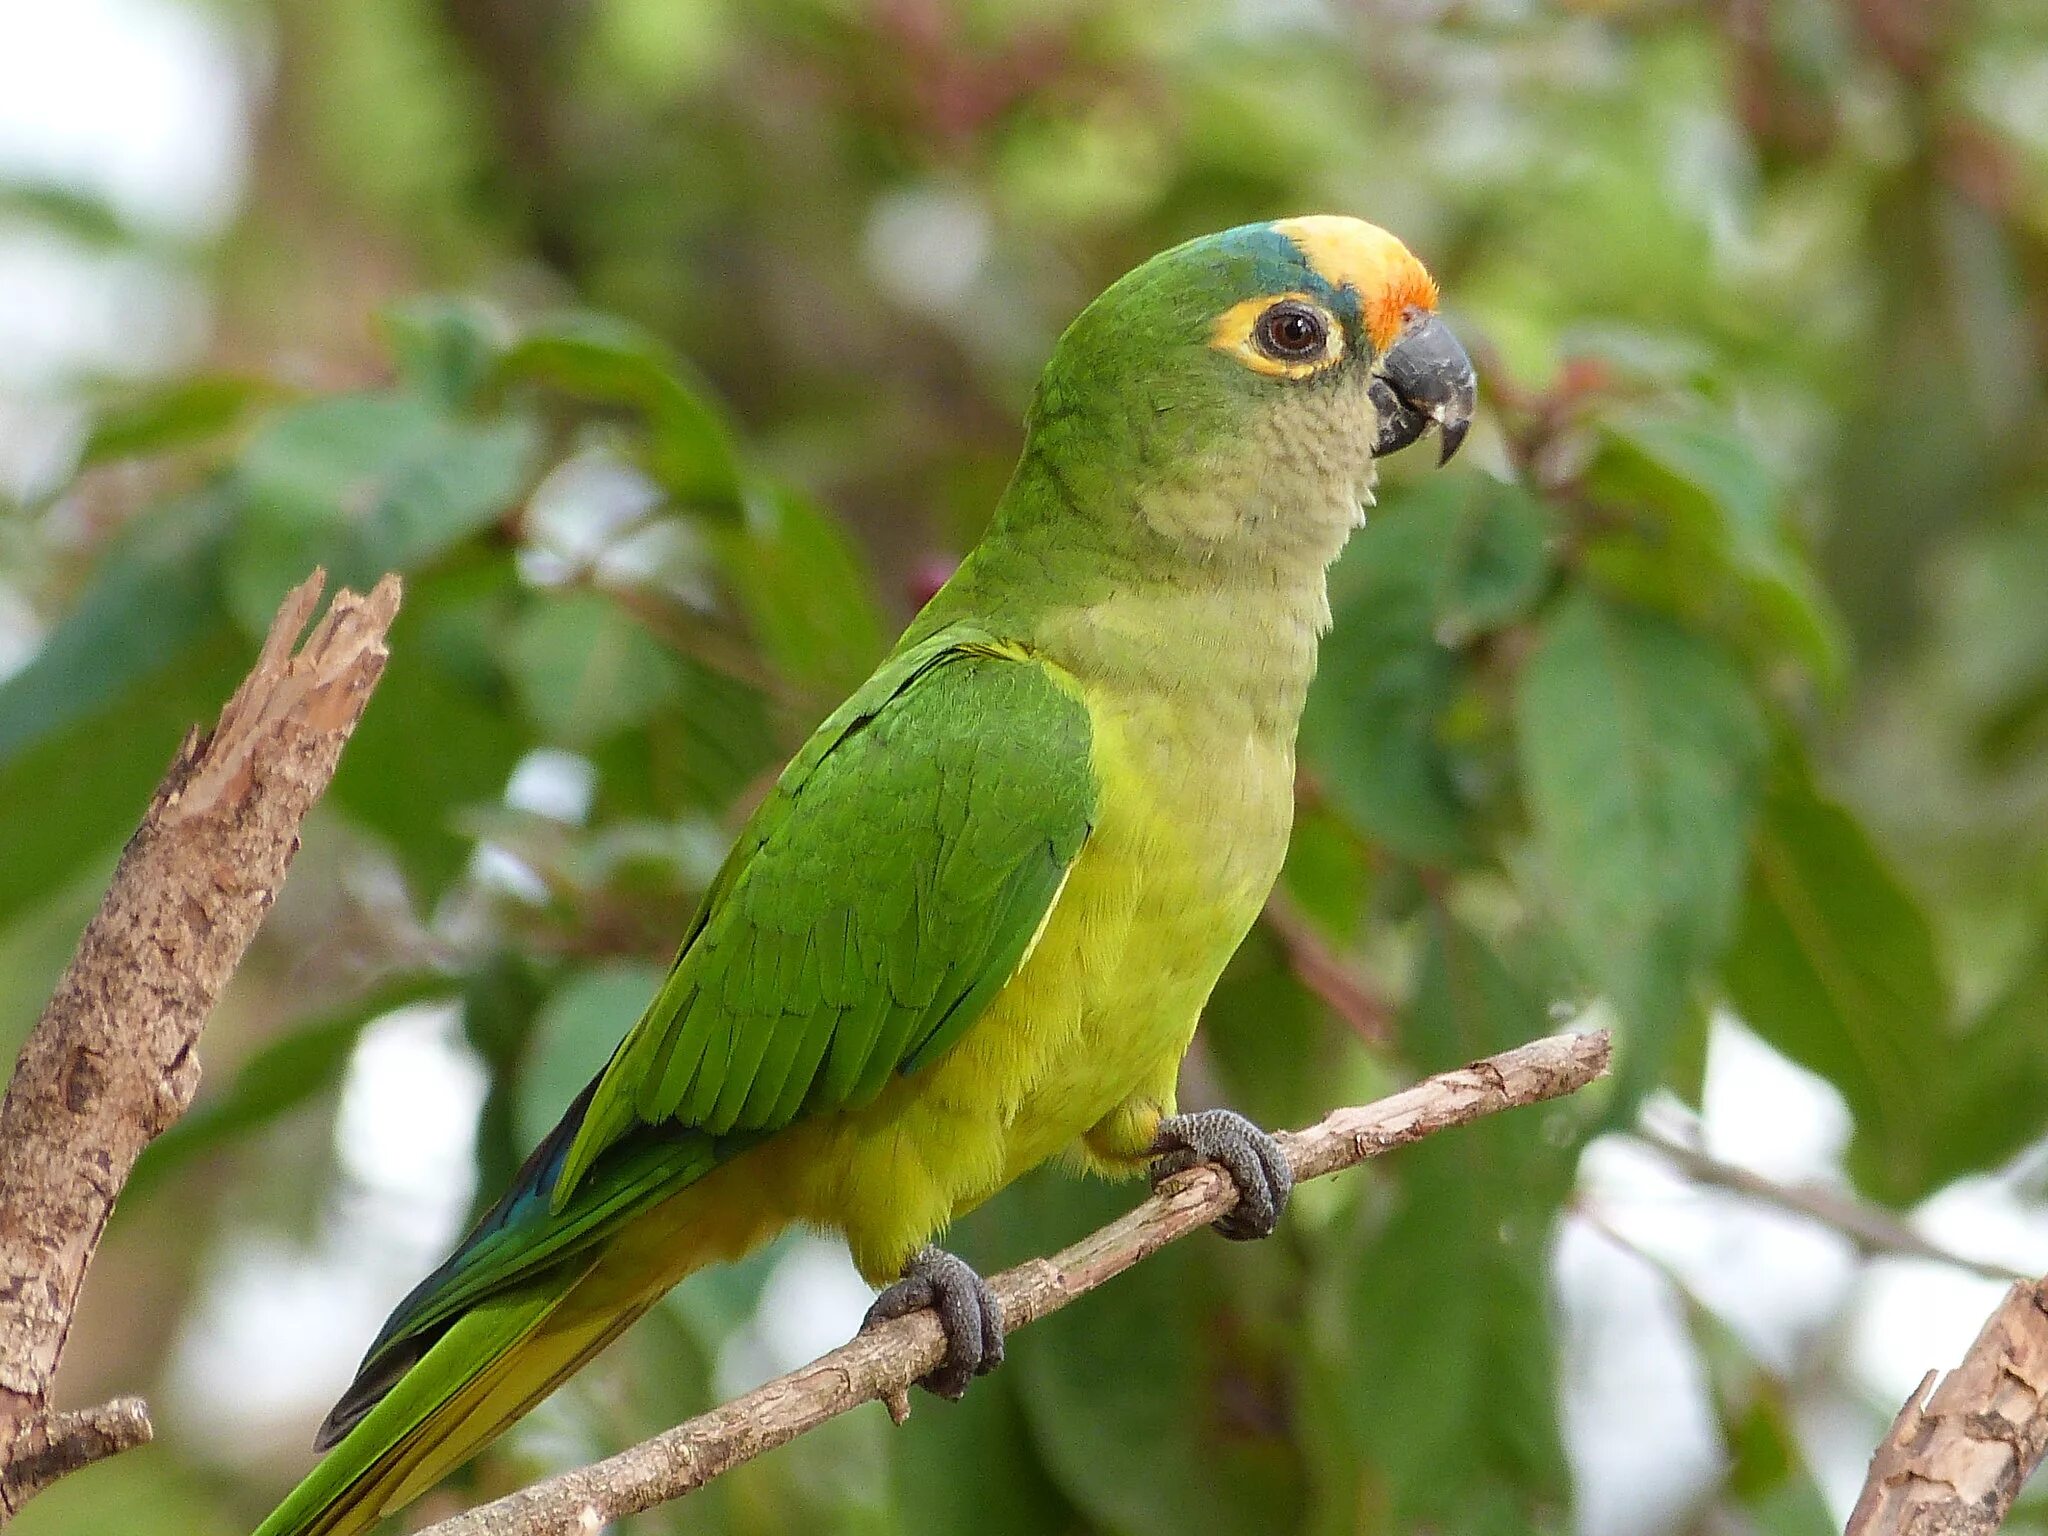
column 1291, row 333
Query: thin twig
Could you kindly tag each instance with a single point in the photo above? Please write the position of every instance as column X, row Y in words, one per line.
column 1956, row 1456
column 1872, row 1230
column 1327, row 974
column 112, row 1061
column 881, row 1363
column 710, row 647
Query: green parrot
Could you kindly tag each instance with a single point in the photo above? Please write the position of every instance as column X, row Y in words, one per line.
column 975, row 922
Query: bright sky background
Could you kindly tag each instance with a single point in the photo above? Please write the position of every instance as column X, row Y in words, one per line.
column 144, row 103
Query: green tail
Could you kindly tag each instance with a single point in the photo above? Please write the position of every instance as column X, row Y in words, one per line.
column 517, row 1308
column 491, row 1367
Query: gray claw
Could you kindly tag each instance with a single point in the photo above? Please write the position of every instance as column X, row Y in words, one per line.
column 1252, row 1158
column 967, row 1309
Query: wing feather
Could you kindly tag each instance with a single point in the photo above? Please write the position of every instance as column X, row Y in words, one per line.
column 873, row 906
column 871, row 909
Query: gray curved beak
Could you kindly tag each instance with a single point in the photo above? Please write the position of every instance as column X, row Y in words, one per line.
column 1424, row 380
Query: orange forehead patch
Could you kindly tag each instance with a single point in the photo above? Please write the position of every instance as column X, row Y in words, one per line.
column 1350, row 253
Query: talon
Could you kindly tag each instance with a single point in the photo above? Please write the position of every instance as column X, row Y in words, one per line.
column 1252, row 1159
column 967, row 1310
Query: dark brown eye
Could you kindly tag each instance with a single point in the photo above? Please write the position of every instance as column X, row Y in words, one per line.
column 1291, row 333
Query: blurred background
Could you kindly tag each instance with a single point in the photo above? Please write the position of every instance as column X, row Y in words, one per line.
column 674, row 349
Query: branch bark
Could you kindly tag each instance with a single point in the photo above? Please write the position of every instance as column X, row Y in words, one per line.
column 112, row 1062
column 1957, row 1456
column 881, row 1363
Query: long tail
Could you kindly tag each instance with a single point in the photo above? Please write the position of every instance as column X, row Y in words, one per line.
column 496, row 1363
column 530, row 1295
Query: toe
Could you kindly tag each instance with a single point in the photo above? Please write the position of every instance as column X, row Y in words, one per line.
column 968, row 1314
column 965, row 1351
column 1264, row 1184
column 959, row 1309
column 1279, row 1172
column 1255, row 1162
column 913, row 1293
column 949, row 1380
column 991, row 1328
column 1257, row 1212
column 1168, row 1163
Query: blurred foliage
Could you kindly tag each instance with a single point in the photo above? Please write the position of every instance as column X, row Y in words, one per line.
column 1714, row 676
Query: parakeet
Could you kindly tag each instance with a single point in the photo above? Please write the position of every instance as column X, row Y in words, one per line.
column 973, row 926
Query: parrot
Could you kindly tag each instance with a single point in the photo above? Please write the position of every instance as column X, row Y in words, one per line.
column 973, row 925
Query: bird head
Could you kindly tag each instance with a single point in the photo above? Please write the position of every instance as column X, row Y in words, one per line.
column 1241, row 387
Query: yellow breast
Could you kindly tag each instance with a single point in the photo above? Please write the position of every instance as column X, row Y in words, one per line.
column 1191, row 828
column 1192, row 831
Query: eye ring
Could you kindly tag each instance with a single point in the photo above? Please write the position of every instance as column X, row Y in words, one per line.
column 1292, row 332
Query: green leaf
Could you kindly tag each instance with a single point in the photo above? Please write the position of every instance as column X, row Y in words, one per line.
column 1274, row 1047
column 584, row 669
column 80, row 217
column 502, row 997
column 154, row 595
column 574, row 1036
column 719, row 740
column 89, row 725
column 805, row 591
column 1430, row 571
column 364, row 484
column 1720, row 518
column 76, row 796
column 1380, row 742
column 2017, row 729
column 438, row 736
column 689, row 449
column 971, row 1466
column 1451, row 1376
column 1156, row 1404
column 1451, row 557
column 180, row 414
column 1492, row 557
column 446, row 348
column 1992, row 643
column 1835, row 965
column 1642, row 750
column 1329, row 868
column 718, row 1301
column 1996, row 1105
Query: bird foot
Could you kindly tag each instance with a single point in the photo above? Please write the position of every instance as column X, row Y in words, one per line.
column 1252, row 1158
column 967, row 1309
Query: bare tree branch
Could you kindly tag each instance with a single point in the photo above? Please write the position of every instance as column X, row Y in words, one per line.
column 111, row 1063
column 52, row 1444
column 1956, row 1457
column 1872, row 1229
column 1326, row 974
column 882, row 1362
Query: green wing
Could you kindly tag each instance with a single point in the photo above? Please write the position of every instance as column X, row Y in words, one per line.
column 885, row 891
column 882, row 895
